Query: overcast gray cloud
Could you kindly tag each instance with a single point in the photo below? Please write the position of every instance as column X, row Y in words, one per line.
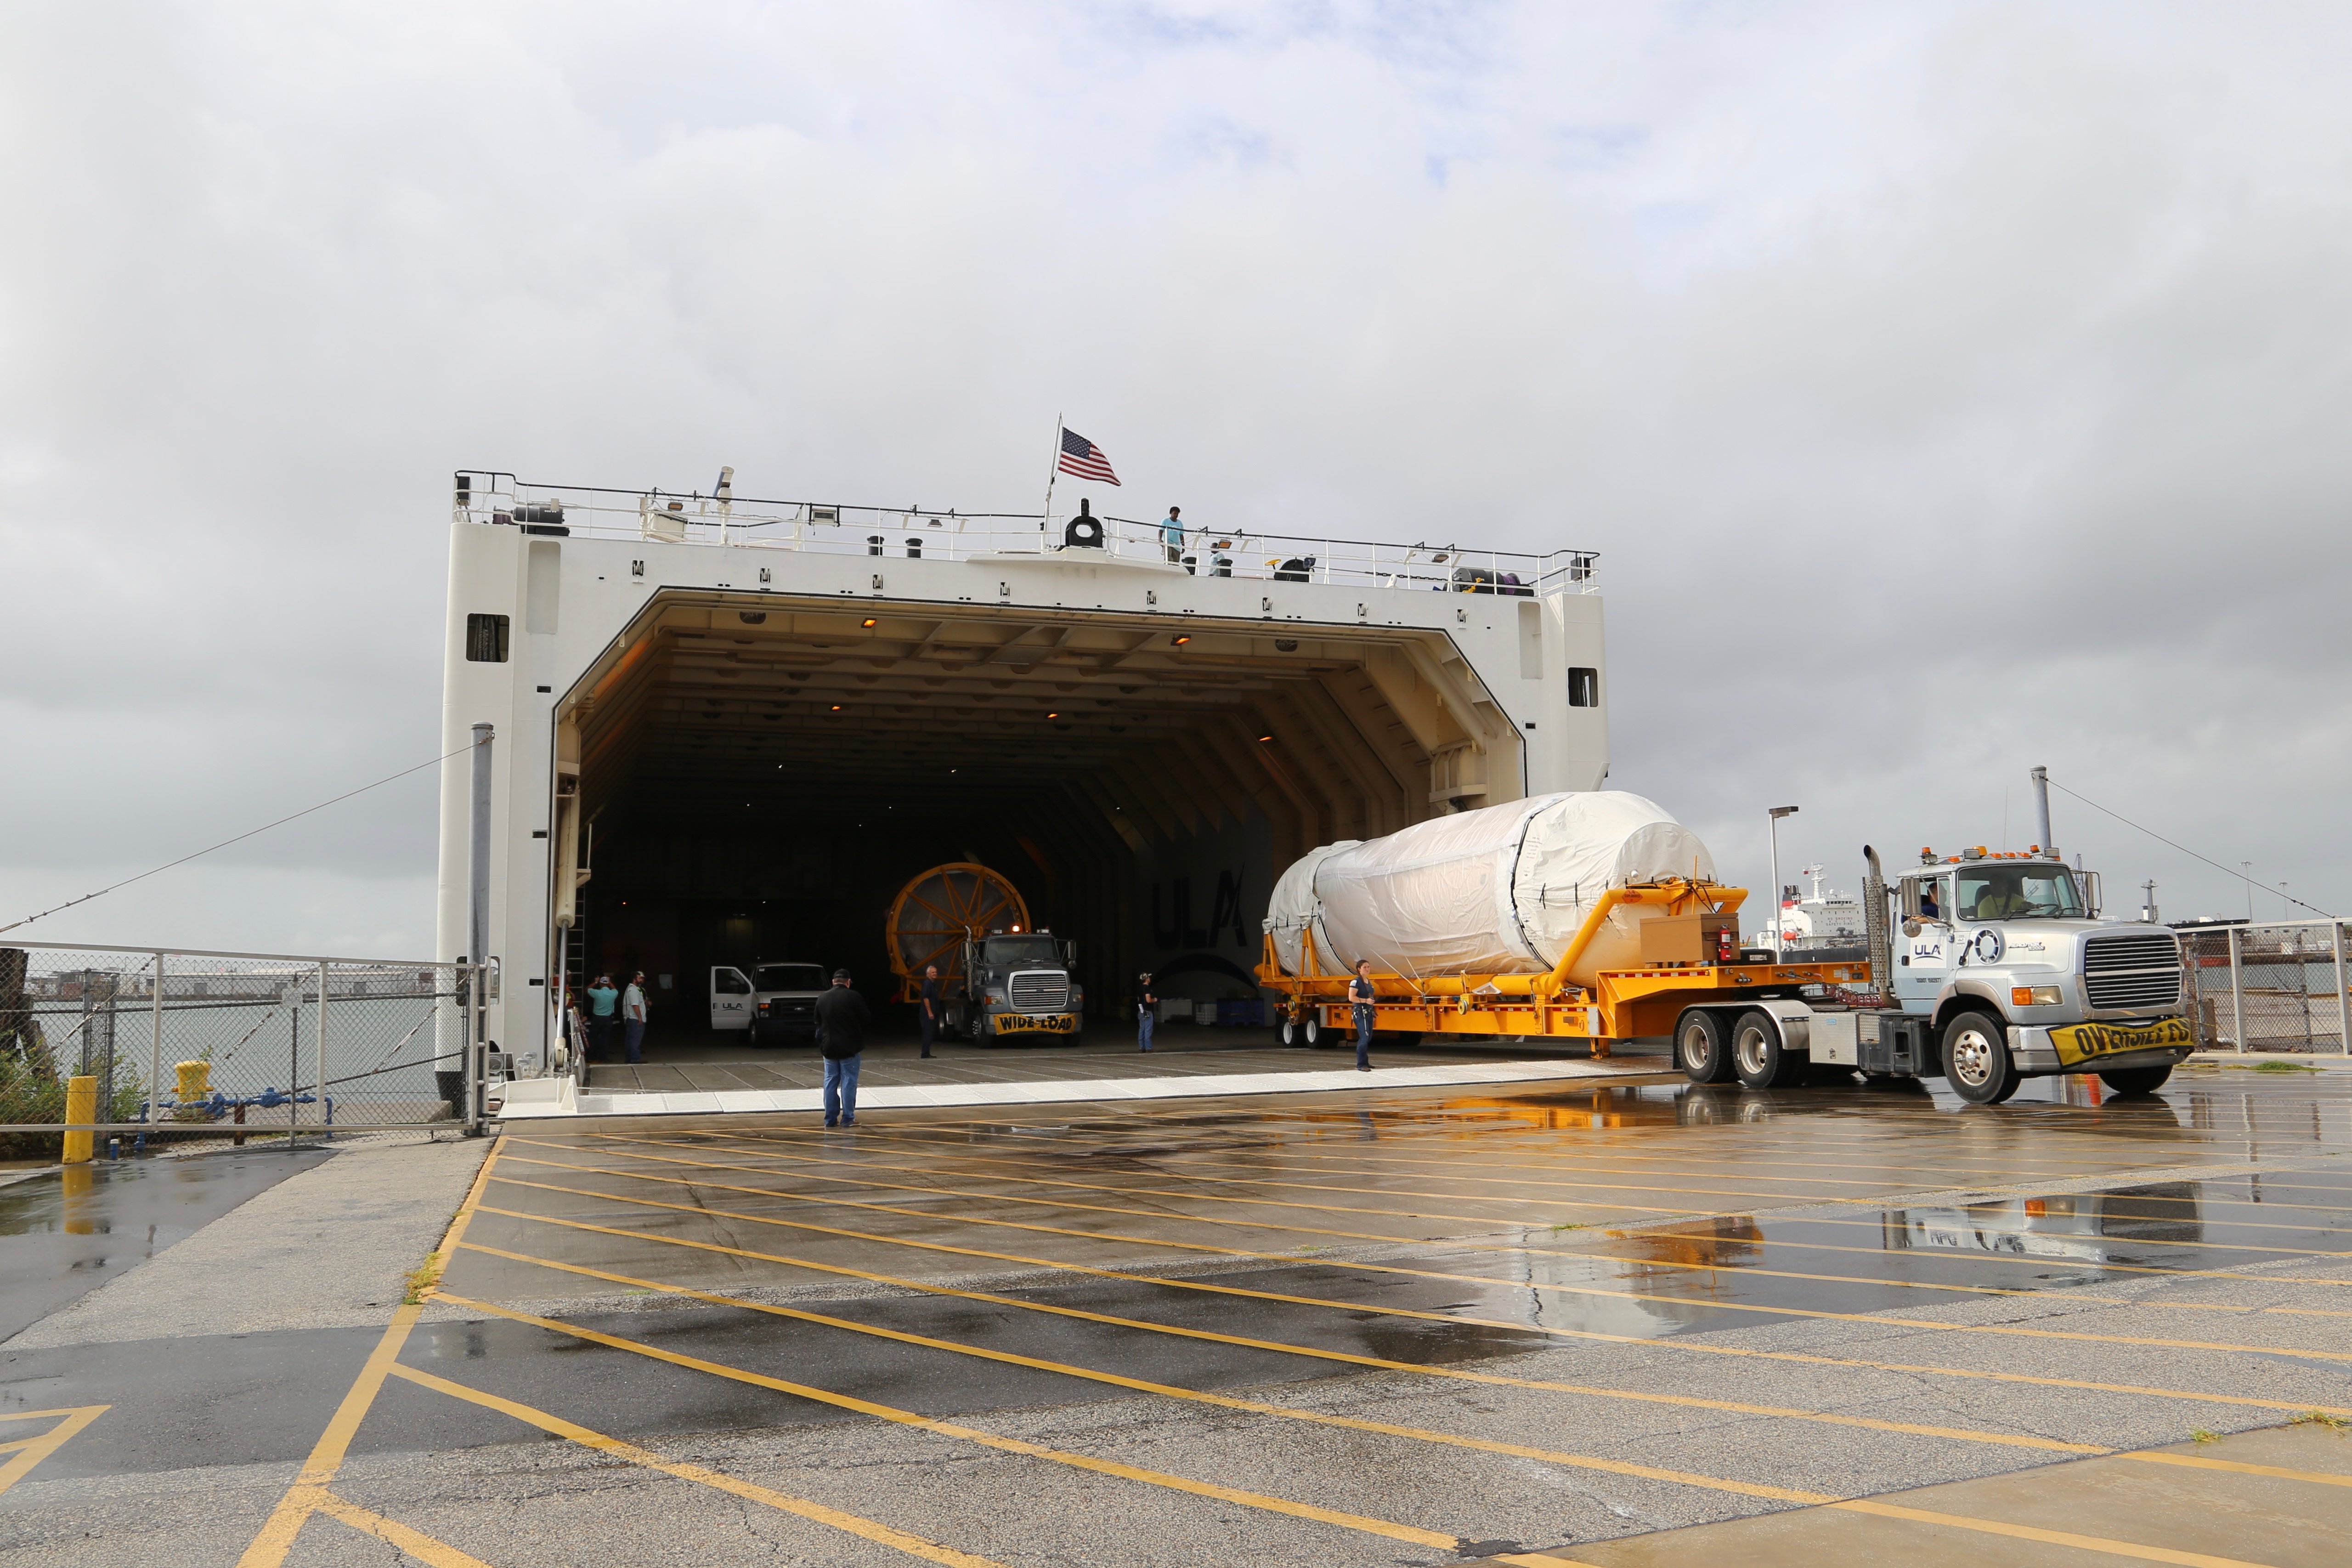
column 1949, row 389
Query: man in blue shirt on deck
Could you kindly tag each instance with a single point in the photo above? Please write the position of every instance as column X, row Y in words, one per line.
column 1171, row 534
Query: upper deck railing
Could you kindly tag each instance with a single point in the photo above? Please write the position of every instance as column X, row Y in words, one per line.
column 831, row 527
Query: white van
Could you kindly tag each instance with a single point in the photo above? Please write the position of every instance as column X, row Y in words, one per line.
column 776, row 1003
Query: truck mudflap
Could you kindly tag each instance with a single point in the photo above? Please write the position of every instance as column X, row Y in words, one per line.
column 2081, row 1048
column 1036, row 1023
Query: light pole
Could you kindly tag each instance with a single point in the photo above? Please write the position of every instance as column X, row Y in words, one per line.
column 1774, row 816
column 2249, row 864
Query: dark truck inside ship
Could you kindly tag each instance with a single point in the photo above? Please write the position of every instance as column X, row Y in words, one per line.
column 755, row 784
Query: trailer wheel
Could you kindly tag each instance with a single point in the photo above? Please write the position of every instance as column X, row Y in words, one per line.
column 1314, row 1031
column 1289, row 1031
column 1700, row 1050
column 1976, row 1060
column 2137, row 1080
column 1757, row 1056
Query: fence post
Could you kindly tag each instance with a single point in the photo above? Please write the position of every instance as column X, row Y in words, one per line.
column 2237, row 987
column 479, row 997
column 154, row 1052
column 320, row 1045
column 2343, row 1003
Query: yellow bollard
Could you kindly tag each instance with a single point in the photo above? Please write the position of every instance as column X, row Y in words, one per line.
column 195, row 1084
column 82, row 1105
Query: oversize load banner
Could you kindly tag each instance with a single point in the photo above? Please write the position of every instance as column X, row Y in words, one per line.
column 2080, row 1042
column 1013, row 1023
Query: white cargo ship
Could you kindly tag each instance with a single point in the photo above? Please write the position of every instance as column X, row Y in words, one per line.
column 727, row 730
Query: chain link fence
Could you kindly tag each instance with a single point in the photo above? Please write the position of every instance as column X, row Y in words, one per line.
column 2269, row 987
column 238, row 1048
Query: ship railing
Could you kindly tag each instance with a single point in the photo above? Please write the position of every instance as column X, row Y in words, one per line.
column 918, row 533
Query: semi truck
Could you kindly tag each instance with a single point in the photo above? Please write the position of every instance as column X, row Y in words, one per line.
column 999, row 978
column 1986, row 969
column 1596, row 917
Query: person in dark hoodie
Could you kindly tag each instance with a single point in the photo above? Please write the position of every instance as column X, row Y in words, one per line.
column 842, row 1017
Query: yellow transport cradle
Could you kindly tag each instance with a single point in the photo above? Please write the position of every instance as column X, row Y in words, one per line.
column 1623, row 1005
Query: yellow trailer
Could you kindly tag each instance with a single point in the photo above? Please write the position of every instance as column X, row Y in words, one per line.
column 1618, row 1005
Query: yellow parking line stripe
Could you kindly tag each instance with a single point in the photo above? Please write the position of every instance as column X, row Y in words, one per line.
column 913, row 1545
column 2198, row 1462
column 1741, row 1172
column 1671, row 1343
column 1680, row 1217
column 1464, row 1245
column 31, row 1451
column 1788, row 1198
column 415, row 1543
column 1959, row 1434
column 923, row 1137
column 1527, row 1285
column 1939, row 1256
column 309, row 1487
column 1784, row 1198
column 1489, row 1124
column 1224, row 1401
column 1473, row 1197
column 609, row 1144
column 2047, row 1537
column 1390, row 1529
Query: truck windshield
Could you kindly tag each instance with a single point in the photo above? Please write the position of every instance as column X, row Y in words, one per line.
column 2018, row 892
column 1025, row 950
column 789, row 977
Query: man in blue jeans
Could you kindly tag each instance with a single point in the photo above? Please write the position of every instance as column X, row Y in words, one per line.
column 1360, row 993
column 1147, row 1011
column 842, row 1017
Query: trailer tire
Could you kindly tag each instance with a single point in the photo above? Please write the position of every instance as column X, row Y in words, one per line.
column 1700, row 1049
column 1318, row 1036
column 2137, row 1080
column 1757, row 1056
column 1976, row 1062
column 1289, row 1032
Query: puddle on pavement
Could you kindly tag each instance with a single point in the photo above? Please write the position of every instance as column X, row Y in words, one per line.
column 65, row 1234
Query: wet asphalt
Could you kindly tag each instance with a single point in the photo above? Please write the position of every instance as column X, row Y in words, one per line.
column 65, row 1233
column 2070, row 1268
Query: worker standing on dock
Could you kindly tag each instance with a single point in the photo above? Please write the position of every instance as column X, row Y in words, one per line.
column 842, row 1017
column 1359, row 992
column 928, row 1013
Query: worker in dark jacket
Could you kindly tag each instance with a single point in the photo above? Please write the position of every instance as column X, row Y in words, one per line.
column 842, row 1017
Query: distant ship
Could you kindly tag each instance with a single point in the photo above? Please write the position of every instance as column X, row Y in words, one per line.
column 1826, row 927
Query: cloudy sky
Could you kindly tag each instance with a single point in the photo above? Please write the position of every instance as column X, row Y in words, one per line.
column 1948, row 387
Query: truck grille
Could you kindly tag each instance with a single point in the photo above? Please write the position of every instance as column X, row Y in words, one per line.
column 2133, row 971
column 1038, row 991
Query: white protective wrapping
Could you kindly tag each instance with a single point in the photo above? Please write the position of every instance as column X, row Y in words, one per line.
column 1292, row 910
column 1498, row 892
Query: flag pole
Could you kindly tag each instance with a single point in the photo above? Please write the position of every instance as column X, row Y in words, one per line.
column 1045, row 519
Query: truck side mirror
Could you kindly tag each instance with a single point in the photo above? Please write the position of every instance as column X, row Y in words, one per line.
column 2091, row 892
column 1070, row 954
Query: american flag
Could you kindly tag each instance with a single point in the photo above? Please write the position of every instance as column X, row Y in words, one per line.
column 1084, row 458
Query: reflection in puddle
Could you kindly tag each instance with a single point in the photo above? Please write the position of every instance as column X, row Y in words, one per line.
column 2075, row 1225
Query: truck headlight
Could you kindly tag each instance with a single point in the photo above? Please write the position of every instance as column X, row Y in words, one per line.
column 2035, row 996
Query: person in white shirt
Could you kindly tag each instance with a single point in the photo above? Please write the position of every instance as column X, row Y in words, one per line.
column 633, row 1016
